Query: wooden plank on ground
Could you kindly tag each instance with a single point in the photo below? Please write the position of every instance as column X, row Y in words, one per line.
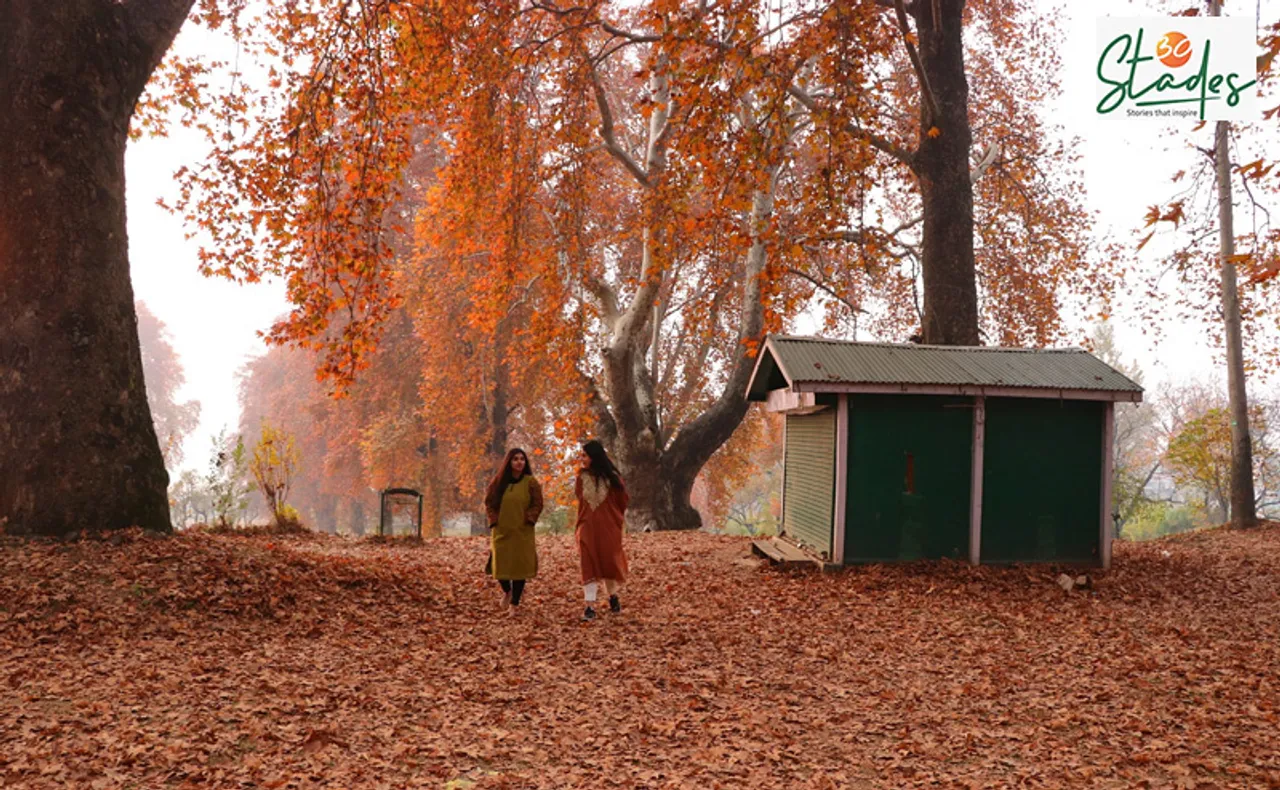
column 765, row 548
column 782, row 553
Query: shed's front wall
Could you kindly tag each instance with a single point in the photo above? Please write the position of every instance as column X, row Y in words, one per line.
column 1042, row 481
column 808, row 499
column 908, row 477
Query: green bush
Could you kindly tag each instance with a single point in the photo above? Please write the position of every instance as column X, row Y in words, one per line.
column 1154, row 520
column 557, row 521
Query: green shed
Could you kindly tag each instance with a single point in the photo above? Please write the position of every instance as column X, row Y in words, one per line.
column 904, row 452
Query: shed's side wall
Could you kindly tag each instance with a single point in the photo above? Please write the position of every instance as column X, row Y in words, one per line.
column 809, row 497
column 1042, row 481
column 909, row 483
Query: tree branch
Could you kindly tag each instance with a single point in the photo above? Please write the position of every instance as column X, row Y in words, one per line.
column 682, row 399
column 925, row 87
column 883, row 144
column 701, row 437
column 989, row 156
column 638, row 38
column 610, row 138
column 828, row 290
column 910, row 7
column 606, row 427
column 1133, row 501
column 605, row 295
column 521, row 301
column 862, row 234
column 151, row 25
column 635, row 317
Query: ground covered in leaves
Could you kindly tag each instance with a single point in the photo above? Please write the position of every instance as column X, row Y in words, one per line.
column 309, row 662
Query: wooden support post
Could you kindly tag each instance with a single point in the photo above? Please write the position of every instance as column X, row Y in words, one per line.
column 842, row 479
column 1107, row 526
column 782, row 519
column 975, row 477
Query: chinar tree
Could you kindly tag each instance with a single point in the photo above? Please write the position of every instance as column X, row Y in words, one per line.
column 77, row 446
column 635, row 193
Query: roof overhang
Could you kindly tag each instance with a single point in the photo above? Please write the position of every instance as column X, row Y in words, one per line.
column 767, row 363
column 805, row 387
column 770, row 377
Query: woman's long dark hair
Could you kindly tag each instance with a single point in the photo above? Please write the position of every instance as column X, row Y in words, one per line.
column 601, row 466
column 505, row 477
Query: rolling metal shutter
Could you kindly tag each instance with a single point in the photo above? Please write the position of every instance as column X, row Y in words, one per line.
column 809, row 495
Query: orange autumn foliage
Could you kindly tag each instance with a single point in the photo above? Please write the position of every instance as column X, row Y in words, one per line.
column 622, row 199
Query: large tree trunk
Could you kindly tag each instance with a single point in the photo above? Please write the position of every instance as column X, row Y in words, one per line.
column 660, row 470
column 78, row 449
column 946, row 188
column 660, row 498
column 660, row 478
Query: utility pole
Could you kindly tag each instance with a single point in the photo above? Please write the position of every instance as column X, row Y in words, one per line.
column 1243, row 513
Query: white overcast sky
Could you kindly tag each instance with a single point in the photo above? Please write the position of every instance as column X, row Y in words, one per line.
column 214, row 323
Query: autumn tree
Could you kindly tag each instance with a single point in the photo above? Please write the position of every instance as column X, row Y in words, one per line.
column 1227, row 278
column 280, row 386
column 744, row 485
column 397, row 442
column 227, row 479
column 481, row 292
column 377, row 436
column 274, row 466
column 939, row 161
column 162, row 370
column 635, row 195
column 77, row 443
column 1200, row 457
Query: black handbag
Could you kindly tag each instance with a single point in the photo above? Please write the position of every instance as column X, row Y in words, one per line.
column 488, row 564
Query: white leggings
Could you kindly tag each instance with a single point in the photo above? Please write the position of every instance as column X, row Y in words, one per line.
column 591, row 588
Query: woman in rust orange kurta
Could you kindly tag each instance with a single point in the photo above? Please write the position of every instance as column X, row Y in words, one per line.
column 602, row 507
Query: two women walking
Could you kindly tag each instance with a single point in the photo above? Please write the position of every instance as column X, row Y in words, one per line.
column 514, row 502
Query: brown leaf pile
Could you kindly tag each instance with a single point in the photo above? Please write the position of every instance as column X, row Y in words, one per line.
column 296, row 662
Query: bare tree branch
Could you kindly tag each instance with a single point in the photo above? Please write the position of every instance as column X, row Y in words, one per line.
column 610, row 138
column 827, row 289
column 926, row 88
column 892, row 149
column 637, row 38
column 989, row 156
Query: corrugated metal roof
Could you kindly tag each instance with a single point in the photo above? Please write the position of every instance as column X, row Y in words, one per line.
column 842, row 362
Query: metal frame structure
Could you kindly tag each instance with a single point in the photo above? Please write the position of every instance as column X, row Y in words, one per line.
column 382, row 507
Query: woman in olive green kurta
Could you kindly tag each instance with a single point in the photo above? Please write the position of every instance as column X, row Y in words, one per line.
column 513, row 503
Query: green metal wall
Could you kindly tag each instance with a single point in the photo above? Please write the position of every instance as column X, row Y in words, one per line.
column 1041, row 480
column 884, row 521
column 809, row 498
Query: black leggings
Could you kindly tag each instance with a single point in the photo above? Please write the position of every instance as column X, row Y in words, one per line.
column 515, row 587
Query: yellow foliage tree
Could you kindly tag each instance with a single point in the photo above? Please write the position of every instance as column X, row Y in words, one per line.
column 274, row 466
column 1200, row 458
